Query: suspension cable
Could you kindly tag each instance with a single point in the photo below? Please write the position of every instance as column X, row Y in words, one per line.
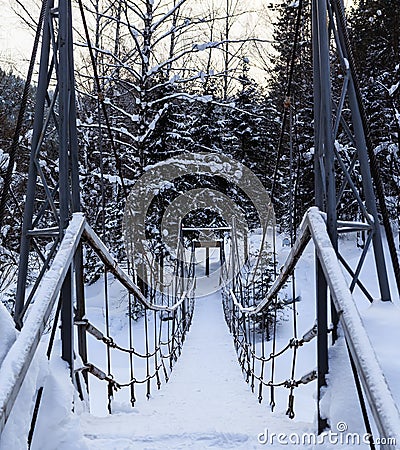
column 21, row 115
column 100, row 95
column 288, row 95
column 292, row 221
column 131, row 343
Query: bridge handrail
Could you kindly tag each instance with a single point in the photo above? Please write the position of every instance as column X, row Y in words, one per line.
column 380, row 399
column 112, row 265
column 304, row 236
column 18, row 359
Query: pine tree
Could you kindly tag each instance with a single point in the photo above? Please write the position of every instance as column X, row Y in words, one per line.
column 11, row 88
column 375, row 35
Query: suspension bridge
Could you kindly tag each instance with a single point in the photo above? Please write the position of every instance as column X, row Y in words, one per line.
column 171, row 309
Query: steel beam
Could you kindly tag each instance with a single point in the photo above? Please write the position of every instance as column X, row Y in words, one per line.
column 40, row 102
column 327, row 29
column 362, row 154
column 48, row 207
column 325, row 186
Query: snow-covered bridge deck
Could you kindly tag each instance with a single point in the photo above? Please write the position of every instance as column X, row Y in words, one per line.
column 206, row 404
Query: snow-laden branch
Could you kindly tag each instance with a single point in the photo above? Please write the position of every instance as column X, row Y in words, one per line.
column 183, row 27
column 200, row 48
column 132, row 117
column 152, row 125
column 204, row 99
column 182, row 96
column 167, row 15
column 121, row 130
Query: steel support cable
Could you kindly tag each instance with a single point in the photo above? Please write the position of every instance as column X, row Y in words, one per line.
column 109, row 341
column 242, row 347
column 146, row 380
column 362, row 400
column 100, row 95
column 131, row 344
column 293, row 343
column 21, row 115
column 290, row 409
column 113, row 385
column 35, row 416
column 165, row 356
column 375, row 171
column 172, row 348
column 245, row 348
column 292, row 383
column 262, row 357
column 107, row 324
column 156, row 347
column 288, row 94
column 146, row 343
column 112, row 344
column 272, row 392
column 110, row 379
column 131, row 340
column 253, row 346
column 54, row 328
column 166, row 376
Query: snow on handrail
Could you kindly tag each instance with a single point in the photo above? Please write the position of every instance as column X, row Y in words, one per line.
column 18, row 359
column 382, row 404
column 380, row 399
column 112, row 265
column 287, row 269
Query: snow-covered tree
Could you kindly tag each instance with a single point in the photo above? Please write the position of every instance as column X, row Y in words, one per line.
column 375, row 34
column 11, row 88
column 162, row 83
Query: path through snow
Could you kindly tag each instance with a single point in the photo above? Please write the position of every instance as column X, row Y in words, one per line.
column 206, row 403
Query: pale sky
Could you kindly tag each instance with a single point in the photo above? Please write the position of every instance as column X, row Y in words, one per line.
column 16, row 40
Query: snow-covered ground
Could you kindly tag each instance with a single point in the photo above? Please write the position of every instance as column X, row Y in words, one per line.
column 206, row 403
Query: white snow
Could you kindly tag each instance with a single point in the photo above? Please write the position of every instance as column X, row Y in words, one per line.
column 205, row 46
column 14, row 365
column 393, row 88
column 206, row 403
column 8, row 332
column 61, row 425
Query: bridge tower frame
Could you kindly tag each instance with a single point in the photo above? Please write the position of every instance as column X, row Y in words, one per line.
column 329, row 32
column 49, row 203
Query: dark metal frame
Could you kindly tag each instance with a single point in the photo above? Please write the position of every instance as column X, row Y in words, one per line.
column 47, row 216
column 328, row 32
